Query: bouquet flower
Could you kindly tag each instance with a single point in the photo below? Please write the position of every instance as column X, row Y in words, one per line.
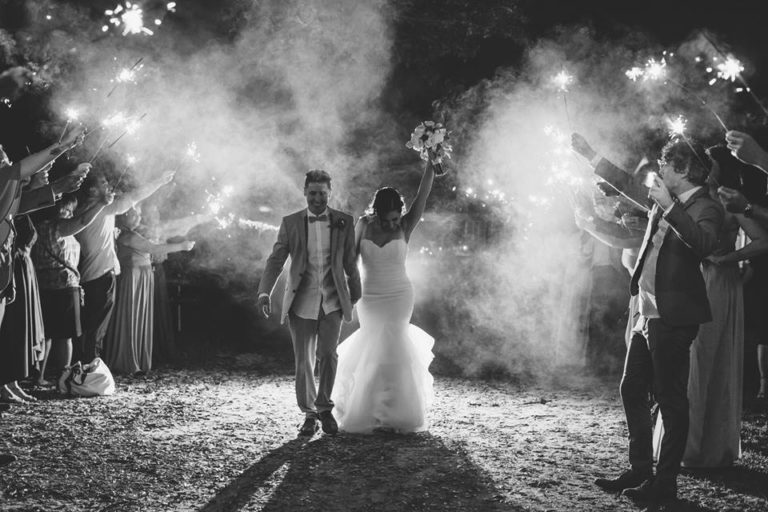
column 430, row 139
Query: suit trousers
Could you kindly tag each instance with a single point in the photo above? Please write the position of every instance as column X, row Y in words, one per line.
column 657, row 362
column 314, row 343
column 95, row 315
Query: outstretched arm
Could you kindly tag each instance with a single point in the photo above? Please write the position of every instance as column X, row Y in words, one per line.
column 84, row 218
column 36, row 161
column 138, row 242
column 413, row 216
column 180, row 227
column 127, row 201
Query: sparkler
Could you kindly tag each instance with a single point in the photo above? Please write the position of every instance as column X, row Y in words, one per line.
column 130, row 128
column 677, row 126
column 72, row 115
column 562, row 80
column 731, row 69
column 130, row 16
column 131, row 160
column 126, row 75
column 656, row 70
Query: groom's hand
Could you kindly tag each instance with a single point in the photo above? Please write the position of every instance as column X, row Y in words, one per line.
column 264, row 306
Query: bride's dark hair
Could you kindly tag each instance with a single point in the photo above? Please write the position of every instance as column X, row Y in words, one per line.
column 386, row 199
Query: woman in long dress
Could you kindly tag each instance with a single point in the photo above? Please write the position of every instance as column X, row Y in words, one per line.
column 383, row 380
column 715, row 378
column 128, row 345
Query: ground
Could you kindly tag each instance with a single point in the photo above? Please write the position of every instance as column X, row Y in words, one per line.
column 224, row 438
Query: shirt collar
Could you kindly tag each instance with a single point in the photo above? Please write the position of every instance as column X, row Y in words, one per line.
column 310, row 214
column 685, row 196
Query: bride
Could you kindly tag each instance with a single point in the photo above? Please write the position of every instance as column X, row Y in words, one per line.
column 383, row 380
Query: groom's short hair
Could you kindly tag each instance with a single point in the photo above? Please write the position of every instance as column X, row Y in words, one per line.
column 317, row 176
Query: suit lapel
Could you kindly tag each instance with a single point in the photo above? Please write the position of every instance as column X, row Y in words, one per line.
column 331, row 218
column 304, row 234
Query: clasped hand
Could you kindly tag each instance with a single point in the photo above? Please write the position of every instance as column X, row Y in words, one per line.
column 659, row 192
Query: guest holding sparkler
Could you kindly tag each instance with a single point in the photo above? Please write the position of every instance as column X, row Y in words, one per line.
column 158, row 232
column 56, row 255
column 715, row 381
column 12, row 177
column 683, row 229
column 98, row 260
column 128, row 347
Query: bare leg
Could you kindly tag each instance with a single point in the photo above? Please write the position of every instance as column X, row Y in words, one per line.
column 41, row 378
column 61, row 354
column 762, row 364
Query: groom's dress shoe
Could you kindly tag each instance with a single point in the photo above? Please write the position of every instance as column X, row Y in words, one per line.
column 329, row 423
column 628, row 479
column 653, row 490
column 309, row 427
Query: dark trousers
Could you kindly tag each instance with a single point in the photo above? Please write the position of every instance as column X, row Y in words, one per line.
column 95, row 315
column 657, row 361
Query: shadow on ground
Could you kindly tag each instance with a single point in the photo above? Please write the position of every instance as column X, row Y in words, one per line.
column 349, row 472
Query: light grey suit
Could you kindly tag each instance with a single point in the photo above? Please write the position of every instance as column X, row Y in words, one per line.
column 314, row 340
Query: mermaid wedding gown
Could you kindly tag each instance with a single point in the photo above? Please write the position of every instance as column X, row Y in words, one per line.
column 382, row 378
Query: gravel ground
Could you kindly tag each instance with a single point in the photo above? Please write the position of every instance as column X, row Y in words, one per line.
column 224, row 438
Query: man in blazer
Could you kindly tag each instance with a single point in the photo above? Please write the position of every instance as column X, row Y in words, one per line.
column 683, row 228
column 322, row 286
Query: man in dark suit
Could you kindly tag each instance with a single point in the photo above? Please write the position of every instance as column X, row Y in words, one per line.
column 682, row 230
column 321, row 288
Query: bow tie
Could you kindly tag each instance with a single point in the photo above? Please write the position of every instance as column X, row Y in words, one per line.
column 319, row 217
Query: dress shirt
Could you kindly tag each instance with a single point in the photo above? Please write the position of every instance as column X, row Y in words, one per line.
column 647, row 282
column 317, row 289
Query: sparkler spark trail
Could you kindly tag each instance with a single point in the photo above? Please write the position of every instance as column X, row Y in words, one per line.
column 72, row 115
column 735, row 66
column 130, row 16
column 562, row 80
column 677, row 126
column 730, row 69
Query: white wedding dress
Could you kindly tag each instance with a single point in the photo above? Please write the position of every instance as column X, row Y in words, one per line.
column 382, row 378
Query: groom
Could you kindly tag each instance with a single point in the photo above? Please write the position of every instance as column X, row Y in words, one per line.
column 322, row 286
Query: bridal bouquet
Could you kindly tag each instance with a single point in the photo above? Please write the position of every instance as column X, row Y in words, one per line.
column 431, row 137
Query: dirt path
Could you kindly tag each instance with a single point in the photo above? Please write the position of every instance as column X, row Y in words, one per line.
column 225, row 440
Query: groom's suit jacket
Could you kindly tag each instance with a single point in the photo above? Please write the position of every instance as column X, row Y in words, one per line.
column 681, row 295
column 292, row 241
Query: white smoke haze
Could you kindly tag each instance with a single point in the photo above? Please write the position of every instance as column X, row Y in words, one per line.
column 298, row 86
column 519, row 304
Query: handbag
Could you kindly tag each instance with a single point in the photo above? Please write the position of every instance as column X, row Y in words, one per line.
column 92, row 379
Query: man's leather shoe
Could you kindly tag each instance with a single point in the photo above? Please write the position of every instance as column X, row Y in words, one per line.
column 329, row 423
column 653, row 490
column 626, row 480
column 309, row 427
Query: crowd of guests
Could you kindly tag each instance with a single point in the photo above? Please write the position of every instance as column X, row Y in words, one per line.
column 77, row 272
column 692, row 229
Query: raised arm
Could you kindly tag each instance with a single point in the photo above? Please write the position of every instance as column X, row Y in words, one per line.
column 413, row 216
column 36, row 161
column 129, row 200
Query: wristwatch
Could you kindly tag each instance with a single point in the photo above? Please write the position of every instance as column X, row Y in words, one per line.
column 748, row 211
